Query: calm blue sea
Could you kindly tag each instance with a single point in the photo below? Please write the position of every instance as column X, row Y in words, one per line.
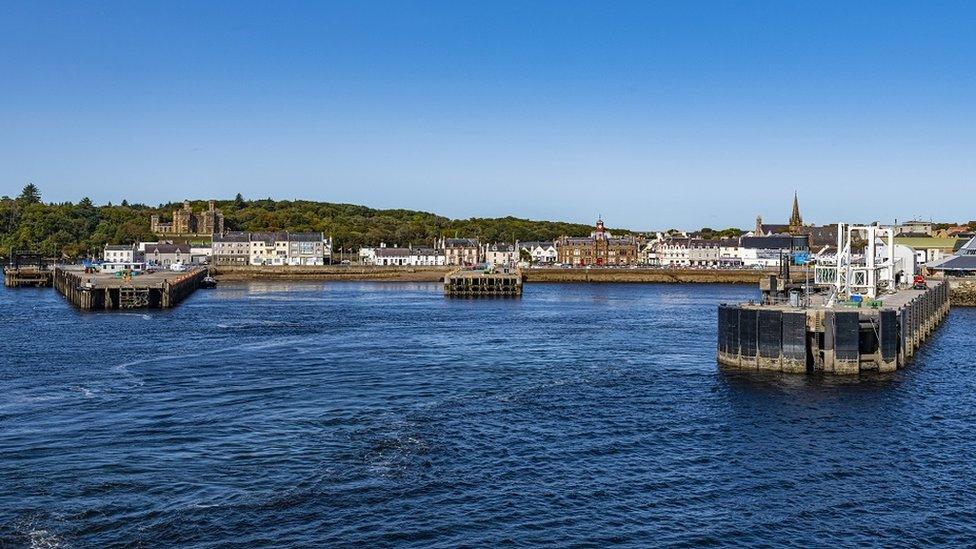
column 383, row 414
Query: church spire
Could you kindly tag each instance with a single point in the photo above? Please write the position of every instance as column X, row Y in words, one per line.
column 796, row 222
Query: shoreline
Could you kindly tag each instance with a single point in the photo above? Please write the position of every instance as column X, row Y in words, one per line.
column 436, row 274
column 962, row 292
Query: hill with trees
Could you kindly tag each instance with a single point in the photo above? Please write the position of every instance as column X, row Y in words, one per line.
column 82, row 229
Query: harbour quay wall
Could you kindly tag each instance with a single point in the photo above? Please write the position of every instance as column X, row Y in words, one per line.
column 102, row 291
column 530, row 275
column 331, row 272
column 832, row 340
column 662, row 276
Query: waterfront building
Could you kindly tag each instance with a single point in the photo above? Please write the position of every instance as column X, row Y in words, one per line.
column 961, row 263
column 164, row 255
column 461, row 251
column 501, row 254
column 268, row 248
column 769, row 251
column 427, row 257
column 647, row 255
column 187, row 222
column 691, row 252
column 929, row 249
column 385, row 256
column 704, row 253
column 391, row 256
column 231, row 249
column 542, row 253
column 307, row 248
column 121, row 253
column 600, row 248
column 201, row 254
column 673, row 252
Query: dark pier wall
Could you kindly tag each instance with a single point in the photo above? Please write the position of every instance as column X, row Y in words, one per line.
column 836, row 341
column 88, row 293
column 474, row 285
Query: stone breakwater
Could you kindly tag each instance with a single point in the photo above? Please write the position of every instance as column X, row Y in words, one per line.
column 662, row 276
column 963, row 292
column 332, row 272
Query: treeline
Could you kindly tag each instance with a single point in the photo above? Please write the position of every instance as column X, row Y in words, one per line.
column 82, row 229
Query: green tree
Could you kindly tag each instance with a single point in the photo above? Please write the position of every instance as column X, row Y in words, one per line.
column 30, row 195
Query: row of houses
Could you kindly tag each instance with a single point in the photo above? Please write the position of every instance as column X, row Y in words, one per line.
column 228, row 249
column 599, row 249
column 270, row 248
column 155, row 254
column 460, row 252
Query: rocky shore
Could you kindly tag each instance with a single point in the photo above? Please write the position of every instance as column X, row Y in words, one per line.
column 662, row 276
column 962, row 293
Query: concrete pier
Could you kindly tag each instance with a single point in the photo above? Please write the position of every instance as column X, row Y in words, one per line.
column 27, row 276
column 839, row 339
column 94, row 291
column 483, row 283
column 26, row 269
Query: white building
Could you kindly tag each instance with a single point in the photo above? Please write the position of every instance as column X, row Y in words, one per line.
column 201, row 254
column 647, row 255
column 295, row 249
column 115, row 253
column 542, row 253
column 269, row 248
column 673, row 252
column 428, row 257
column 501, row 255
column 386, row 256
column 307, row 249
column 461, row 251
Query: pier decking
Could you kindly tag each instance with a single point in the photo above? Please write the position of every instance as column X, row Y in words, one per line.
column 483, row 283
column 25, row 269
column 94, row 291
column 831, row 338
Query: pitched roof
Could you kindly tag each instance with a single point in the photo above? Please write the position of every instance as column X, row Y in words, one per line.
column 501, row 247
column 535, row 244
column 461, row 243
column 392, row 252
column 956, row 263
column 927, row 242
column 304, row 237
column 232, row 236
column 269, row 237
column 168, row 249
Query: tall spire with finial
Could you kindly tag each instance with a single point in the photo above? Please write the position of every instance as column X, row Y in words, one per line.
column 796, row 222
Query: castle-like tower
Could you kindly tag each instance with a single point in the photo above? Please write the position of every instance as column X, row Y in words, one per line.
column 186, row 222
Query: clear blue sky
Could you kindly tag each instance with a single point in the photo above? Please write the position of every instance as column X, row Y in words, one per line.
column 653, row 114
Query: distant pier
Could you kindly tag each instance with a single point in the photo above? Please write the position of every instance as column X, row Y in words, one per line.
column 483, row 283
column 104, row 291
column 26, row 269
